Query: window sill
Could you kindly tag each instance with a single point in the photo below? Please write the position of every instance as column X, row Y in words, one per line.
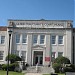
column 2, row 60
column 18, row 43
column 60, row 44
column 24, row 43
column 2, row 44
column 38, row 44
column 53, row 44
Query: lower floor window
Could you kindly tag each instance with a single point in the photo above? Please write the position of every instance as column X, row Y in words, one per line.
column 1, row 55
column 15, row 52
column 23, row 55
column 53, row 56
column 60, row 54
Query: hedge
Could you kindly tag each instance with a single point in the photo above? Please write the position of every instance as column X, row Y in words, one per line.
column 11, row 66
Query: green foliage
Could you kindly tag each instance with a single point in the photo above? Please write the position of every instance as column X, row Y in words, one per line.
column 13, row 58
column 11, row 66
column 67, row 69
column 4, row 67
column 11, row 73
column 70, row 68
column 62, row 60
column 56, row 67
column 0, row 66
column 58, row 64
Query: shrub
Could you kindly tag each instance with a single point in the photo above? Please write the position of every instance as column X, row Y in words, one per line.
column 56, row 67
column 70, row 68
column 11, row 66
column 58, row 64
column 62, row 60
column 0, row 66
column 13, row 58
column 4, row 67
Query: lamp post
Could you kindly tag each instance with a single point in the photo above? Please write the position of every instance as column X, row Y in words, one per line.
column 9, row 32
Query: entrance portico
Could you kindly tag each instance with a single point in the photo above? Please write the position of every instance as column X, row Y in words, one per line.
column 38, row 58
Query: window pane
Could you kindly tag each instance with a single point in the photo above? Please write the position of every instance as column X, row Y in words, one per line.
column 2, row 39
column 60, row 54
column 24, row 38
column 17, row 38
column 42, row 38
column 53, row 39
column 15, row 52
column 1, row 55
column 35, row 37
column 53, row 56
column 23, row 55
column 60, row 40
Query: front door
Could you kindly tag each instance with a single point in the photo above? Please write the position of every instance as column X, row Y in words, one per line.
column 38, row 58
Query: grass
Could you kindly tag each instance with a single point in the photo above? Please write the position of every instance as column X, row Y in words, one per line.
column 10, row 73
column 17, row 73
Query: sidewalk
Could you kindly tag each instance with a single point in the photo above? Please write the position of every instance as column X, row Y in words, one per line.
column 33, row 74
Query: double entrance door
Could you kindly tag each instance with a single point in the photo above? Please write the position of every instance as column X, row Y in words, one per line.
column 38, row 58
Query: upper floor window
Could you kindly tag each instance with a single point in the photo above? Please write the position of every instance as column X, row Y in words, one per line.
column 1, row 55
column 60, row 39
column 42, row 39
column 2, row 39
column 24, row 38
column 35, row 38
column 17, row 38
column 53, row 39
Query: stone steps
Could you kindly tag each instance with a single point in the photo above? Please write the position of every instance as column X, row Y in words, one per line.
column 41, row 69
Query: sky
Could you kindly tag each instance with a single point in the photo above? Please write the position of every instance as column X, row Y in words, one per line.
column 36, row 10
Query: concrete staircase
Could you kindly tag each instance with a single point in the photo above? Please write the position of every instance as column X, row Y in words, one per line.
column 41, row 69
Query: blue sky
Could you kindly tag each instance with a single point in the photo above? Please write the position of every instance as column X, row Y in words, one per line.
column 36, row 9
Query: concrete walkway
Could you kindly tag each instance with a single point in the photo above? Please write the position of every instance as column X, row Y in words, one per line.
column 33, row 74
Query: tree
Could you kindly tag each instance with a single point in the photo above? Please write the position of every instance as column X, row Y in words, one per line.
column 58, row 64
column 62, row 60
column 13, row 58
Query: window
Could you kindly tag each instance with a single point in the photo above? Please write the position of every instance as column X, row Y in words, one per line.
column 15, row 52
column 35, row 37
column 42, row 39
column 17, row 38
column 53, row 56
column 23, row 55
column 60, row 54
column 60, row 40
column 2, row 39
column 1, row 55
column 24, row 38
column 53, row 40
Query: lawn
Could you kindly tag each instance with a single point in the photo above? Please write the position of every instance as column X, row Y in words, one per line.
column 10, row 73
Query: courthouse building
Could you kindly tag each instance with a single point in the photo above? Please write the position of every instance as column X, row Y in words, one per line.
column 38, row 40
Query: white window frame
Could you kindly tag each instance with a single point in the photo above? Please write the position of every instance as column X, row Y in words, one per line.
column 60, row 52
column 15, row 52
column 24, row 54
column 34, row 39
column 60, row 40
column 24, row 37
column 53, row 40
column 2, row 55
column 42, row 39
column 3, row 40
column 18, row 38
